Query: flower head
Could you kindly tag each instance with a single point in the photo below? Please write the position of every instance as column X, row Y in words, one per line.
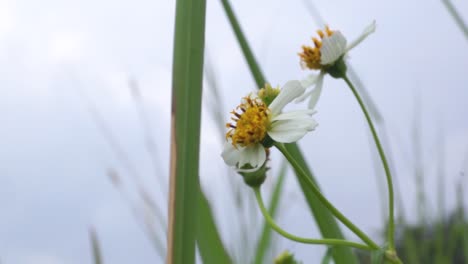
column 327, row 55
column 331, row 46
column 258, row 122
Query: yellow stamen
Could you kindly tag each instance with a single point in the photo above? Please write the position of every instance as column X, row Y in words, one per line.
column 310, row 56
column 251, row 123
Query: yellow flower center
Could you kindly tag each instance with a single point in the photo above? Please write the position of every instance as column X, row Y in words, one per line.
column 250, row 123
column 310, row 56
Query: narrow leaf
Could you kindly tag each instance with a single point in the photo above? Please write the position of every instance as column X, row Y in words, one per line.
column 456, row 17
column 187, row 76
column 327, row 259
column 248, row 54
column 95, row 246
column 212, row 250
column 377, row 256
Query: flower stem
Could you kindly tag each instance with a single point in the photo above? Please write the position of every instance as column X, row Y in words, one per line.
column 274, row 226
column 391, row 223
column 322, row 198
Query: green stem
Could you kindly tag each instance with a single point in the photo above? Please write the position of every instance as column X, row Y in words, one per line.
column 322, row 198
column 391, row 223
column 331, row 242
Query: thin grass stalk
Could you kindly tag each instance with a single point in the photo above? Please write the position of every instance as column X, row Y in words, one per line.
column 326, row 222
column 148, row 228
column 187, row 82
column 456, row 16
column 440, row 222
column 244, row 45
column 129, row 166
column 97, row 256
column 150, row 143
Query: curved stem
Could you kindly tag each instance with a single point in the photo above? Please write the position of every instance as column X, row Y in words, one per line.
column 303, row 175
column 331, row 242
column 391, row 224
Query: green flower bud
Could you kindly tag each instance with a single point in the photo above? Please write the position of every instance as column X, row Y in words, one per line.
column 254, row 178
column 268, row 93
column 286, row 258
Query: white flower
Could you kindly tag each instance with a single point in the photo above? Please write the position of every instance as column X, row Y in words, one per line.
column 327, row 51
column 255, row 121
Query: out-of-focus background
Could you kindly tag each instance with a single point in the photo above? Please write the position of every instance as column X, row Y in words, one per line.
column 85, row 95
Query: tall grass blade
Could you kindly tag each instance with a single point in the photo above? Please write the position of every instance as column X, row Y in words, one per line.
column 209, row 242
column 439, row 226
column 187, row 79
column 95, row 247
column 327, row 258
column 325, row 221
column 244, row 45
column 265, row 237
column 456, row 16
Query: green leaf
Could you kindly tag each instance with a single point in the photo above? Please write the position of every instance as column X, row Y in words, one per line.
column 377, row 256
column 325, row 220
column 327, row 259
column 244, row 45
column 209, row 242
column 265, row 238
column 95, row 246
column 456, row 17
column 187, row 75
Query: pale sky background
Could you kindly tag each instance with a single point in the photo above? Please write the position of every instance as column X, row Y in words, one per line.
column 59, row 59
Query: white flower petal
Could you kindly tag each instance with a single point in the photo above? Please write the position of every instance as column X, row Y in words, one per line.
column 230, row 154
column 287, row 131
column 332, row 48
column 367, row 31
column 294, row 115
column 254, row 155
column 315, row 94
column 304, row 96
column 290, row 91
column 310, row 80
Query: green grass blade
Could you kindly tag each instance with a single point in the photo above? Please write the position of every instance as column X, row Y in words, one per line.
column 325, row 221
column 95, row 246
column 209, row 242
column 456, row 16
column 265, row 238
column 187, row 76
column 248, row 54
column 327, row 259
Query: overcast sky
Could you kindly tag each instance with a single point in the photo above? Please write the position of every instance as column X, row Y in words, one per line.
column 65, row 67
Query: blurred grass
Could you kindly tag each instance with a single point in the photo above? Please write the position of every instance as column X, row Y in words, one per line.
column 95, row 247
column 456, row 17
column 326, row 222
column 187, row 83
